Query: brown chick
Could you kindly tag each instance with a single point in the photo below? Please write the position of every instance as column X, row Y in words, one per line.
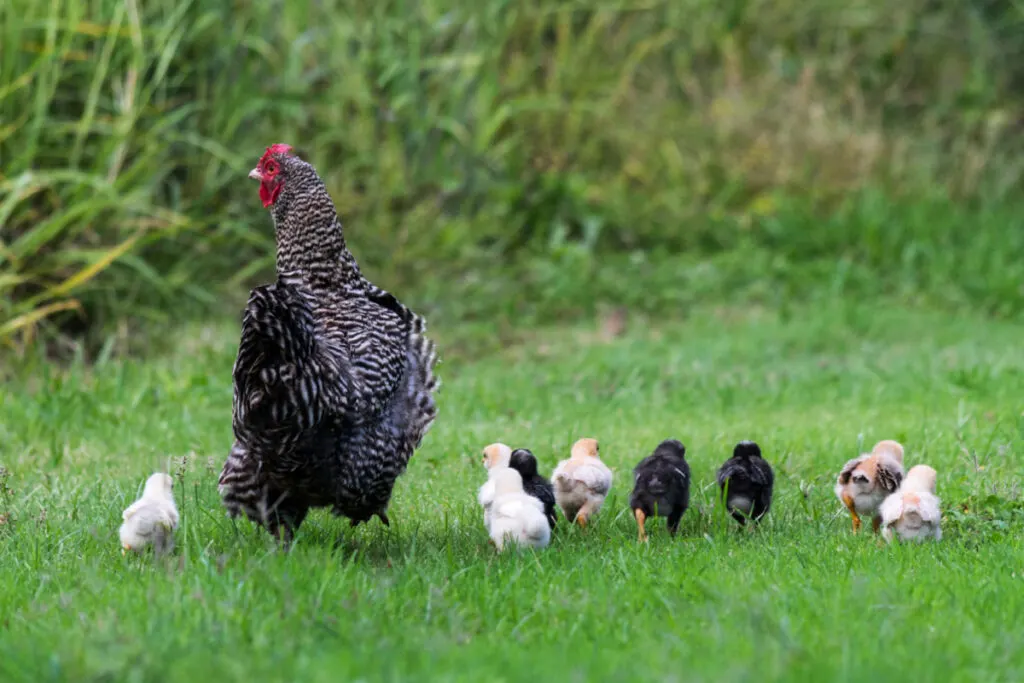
column 582, row 482
column 866, row 481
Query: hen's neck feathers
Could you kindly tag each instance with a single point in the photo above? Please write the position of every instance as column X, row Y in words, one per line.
column 310, row 239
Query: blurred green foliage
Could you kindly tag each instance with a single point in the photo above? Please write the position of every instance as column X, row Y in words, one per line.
column 511, row 158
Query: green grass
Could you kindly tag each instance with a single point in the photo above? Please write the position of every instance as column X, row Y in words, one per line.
column 802, row 599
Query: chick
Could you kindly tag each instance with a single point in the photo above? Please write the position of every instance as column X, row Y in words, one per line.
column 582, row 482
column 524, row 462
column 516, row 517
column 746, row 481
column 153, row 518
column 495, row 457
column 661, row 486
column 913, row 512
column 865, row 482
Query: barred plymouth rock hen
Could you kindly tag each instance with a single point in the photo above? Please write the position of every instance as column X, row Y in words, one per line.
column 333, row 383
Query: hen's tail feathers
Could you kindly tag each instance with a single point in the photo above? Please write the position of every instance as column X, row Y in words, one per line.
column 423, row 383
column 239, row 485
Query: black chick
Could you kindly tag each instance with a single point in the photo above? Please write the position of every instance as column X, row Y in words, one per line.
column 661, row 486
column 524, row 462
column 746, row 481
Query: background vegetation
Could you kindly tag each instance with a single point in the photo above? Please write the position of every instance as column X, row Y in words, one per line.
column 513, row 160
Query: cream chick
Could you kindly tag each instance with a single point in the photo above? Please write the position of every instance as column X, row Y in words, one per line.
column 495, row 457
column 516, row 517
column 152, row 519
column 582, row 482
column 913, row 513
column 866, row 481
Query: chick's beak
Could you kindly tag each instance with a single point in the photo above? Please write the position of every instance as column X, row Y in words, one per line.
column 255, row 174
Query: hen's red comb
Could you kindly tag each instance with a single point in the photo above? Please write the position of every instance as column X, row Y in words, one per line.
column 279, row 148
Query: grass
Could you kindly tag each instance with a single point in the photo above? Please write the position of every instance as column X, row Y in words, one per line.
column 801, row 599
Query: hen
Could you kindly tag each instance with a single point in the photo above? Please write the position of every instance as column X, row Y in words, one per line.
column 333, row 382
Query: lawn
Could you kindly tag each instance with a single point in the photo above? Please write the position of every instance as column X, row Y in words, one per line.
column 802, row 598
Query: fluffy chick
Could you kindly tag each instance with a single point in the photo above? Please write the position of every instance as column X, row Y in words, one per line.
column 745, row 482
column 152, row 519
column 661, row 486
column 524, row 462
column 495, row 457
column 864, row 482
column 582, row 482
column 517, row 518
column 913, row 512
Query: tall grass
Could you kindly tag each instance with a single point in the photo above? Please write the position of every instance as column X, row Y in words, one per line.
column 455, row 136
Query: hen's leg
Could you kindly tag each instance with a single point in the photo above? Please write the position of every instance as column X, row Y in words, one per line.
column 284, row 516
column 876, row 523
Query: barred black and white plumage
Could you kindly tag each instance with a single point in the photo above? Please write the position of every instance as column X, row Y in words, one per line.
column 746, row 482
column 333, row 382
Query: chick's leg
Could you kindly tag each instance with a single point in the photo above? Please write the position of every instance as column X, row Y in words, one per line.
column 588, row 509
column 848, row 502
column 640, row 519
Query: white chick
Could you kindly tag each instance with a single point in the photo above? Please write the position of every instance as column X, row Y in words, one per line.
column 153, row 518
column 866, row 481
column 495, row 457
column 913, row 512
column 582, row 482
column 517, row 518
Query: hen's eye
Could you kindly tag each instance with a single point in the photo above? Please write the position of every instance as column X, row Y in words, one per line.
column 271, row 167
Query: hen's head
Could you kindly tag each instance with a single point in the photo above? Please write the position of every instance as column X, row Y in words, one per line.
column 273, row 171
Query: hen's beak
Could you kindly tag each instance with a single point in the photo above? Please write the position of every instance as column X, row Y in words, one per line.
column 255, row 174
